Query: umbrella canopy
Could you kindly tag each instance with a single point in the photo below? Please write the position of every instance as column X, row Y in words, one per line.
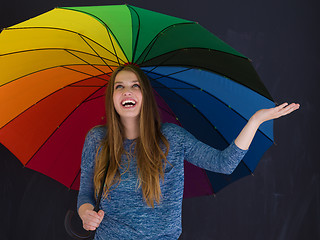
column 54, row 69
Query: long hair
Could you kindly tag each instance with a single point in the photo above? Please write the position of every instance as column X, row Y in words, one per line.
column 151, row 159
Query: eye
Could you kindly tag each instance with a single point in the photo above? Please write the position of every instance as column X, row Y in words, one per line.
column 136, row 85
column 118, row 86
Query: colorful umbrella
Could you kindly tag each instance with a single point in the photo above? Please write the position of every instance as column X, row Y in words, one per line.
column 54, row 69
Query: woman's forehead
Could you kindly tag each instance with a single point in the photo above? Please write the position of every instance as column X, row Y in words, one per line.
column 126, row 76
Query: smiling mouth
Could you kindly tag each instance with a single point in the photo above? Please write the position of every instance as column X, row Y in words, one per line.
column 128, row 103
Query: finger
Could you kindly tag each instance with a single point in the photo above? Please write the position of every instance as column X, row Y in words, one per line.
column 94, row 221
column 91, row 224
column 292, row 107
column 281, row 106
column 95, row 215
column 92, row 213
column 89, row 227
column 100, row 215
column 86, row 227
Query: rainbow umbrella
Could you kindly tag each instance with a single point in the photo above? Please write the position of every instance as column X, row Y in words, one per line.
column 54, row 69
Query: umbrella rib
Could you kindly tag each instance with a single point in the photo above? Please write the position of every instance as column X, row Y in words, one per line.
column 83, row 86
column 46, row 68
column 167, row 75
column 188, row 103
column 153, row 41
column 155, row 67
column 96, row 52
column 170, row 113
column 244, row 163
column 190, row 48
column 75, row 70
column 138, row 34
column 84, row 60
column 40, row 49
column 108, row 29
column 69, row 85
column 195, row 87
column 74, row 180
column 62, row 123
column 88, row 100
column 71, row 32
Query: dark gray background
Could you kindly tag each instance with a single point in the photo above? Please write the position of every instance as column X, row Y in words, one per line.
column 282, row 199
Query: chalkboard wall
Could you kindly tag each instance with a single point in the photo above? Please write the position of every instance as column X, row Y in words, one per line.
column 282, row 200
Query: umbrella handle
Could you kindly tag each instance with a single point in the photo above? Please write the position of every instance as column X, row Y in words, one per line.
column 69, row 230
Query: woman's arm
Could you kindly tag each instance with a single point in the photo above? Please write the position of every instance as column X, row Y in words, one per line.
column 86, row 200
column 245, row 137
column 225, row 161
column 184, row 146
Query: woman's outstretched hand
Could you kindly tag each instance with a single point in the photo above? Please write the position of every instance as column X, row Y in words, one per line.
column 245, row 137
column 273, row 113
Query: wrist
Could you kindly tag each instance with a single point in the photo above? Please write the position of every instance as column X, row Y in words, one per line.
column 254, row 121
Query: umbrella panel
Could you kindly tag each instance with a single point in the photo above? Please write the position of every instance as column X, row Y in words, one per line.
column 196, row 181
column 63, row 148
column 27, row 133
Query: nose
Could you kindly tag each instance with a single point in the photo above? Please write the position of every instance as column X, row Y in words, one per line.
column 127, row 92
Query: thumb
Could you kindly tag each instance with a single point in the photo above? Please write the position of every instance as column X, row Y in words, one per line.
column 101, row 213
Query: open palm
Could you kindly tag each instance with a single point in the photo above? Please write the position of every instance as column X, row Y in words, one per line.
column 276, row 112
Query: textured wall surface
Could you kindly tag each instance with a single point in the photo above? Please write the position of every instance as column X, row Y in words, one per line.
column 282, row 200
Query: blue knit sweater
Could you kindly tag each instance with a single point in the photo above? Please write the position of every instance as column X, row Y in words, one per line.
column 127, row 216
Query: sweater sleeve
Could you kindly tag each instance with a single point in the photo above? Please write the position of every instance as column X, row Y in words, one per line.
column 209, row 158
column 90, row 147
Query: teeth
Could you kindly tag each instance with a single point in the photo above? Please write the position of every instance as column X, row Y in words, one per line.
column 128, row 102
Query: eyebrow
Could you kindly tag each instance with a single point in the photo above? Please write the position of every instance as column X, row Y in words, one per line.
column 134, row 81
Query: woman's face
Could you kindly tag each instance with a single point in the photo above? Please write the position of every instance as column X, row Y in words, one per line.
column 127, row 95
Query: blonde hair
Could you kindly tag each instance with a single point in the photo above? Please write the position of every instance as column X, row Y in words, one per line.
column 151, row 159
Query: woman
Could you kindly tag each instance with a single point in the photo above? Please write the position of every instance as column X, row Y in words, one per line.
column 142, row 198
